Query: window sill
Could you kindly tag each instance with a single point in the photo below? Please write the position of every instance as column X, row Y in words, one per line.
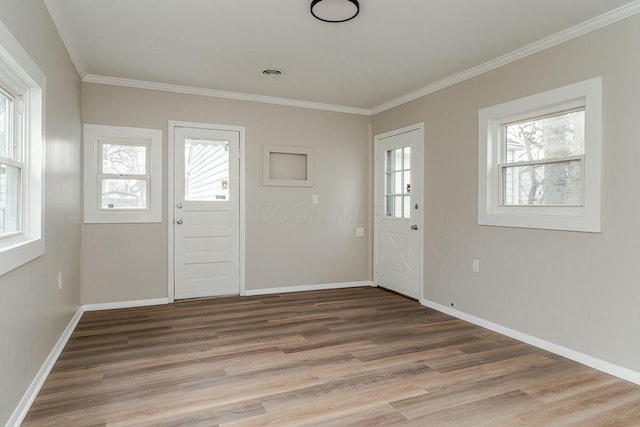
column 122, row 218
column 17, row 251
column 565, row 221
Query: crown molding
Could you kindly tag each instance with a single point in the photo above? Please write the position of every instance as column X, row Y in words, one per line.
column 65, row 35
column 238, row 96
column 533, row 48
column 546, row 43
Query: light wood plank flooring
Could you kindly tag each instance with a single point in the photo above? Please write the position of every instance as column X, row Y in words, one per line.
column 355, row 357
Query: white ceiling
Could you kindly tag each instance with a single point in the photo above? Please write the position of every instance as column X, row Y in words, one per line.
column 393, row 48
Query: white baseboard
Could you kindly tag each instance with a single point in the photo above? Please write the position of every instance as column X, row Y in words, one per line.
column 304, row 288
column 585, row 359
column 34, row 388
column 125, row 304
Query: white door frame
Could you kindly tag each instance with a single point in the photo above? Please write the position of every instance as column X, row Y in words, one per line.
column 376, row 199
column 173, row 124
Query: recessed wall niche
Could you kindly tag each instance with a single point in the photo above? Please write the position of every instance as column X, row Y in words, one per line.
column 287, row 166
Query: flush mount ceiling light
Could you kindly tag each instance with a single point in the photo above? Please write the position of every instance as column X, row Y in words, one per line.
column 335, row 10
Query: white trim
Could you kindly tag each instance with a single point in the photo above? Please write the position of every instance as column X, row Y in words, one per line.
column 20, row 71
column 191, row 90
column 34, row 388
column 585, row 359
column 305, row 288
column 531, row 49
column 170, row 203
column 125, row 304
column 66, row 36
column 586, row 217
column 91, row 162
column 243, row 213
column 415, row 127
column 171, row 199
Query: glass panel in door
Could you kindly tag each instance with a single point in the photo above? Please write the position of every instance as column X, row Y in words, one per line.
column 206, row 170
column 398, row 183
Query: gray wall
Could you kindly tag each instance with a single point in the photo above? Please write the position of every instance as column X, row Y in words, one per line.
column 578, row 290
column 33, row 313
column 316, row 245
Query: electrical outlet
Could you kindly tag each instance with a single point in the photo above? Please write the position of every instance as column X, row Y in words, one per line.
column 314, row 199
column 59, row 281
column 476, row 266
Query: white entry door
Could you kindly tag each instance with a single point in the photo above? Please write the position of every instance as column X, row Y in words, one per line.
column 206, row 212
column 398, row 211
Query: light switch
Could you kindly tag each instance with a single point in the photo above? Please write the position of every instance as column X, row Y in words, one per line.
column 314, row 199
column 359, row 231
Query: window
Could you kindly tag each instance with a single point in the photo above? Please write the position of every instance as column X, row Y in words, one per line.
column 540, row 160
column 123, row 180
column 398, row 183
column 124, row 174
column 22, row 86
column 11, row 165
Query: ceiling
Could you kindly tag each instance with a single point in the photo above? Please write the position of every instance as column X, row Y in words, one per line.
column 393, row 49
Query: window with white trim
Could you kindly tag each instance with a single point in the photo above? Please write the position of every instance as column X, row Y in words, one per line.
column 22, row 87
column 540, row 160
column 123, row 174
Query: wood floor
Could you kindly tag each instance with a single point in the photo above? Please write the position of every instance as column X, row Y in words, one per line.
column 356, row 357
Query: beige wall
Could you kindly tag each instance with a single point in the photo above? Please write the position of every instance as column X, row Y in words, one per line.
column 33, row 313
column 578, row 290
column 288, row 242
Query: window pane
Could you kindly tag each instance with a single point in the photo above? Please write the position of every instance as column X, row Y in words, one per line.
column 390, row 161
column 206, row 169
column 124, row 159
column 546, row 138
column 389, row 206
column 397, row 211
column 394, row 160
column 6, row 121
column 407, row 157
column 124, row 194
column 397, row 183
column 10, row 188
column 407, row 206
column 389, row 182
column 398, row 159
column 557, row 183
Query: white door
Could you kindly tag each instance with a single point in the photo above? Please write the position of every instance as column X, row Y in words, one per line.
column 206, row 212
column 398, row 211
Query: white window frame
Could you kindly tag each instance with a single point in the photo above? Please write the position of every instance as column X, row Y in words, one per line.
column 94, row 137
column 585, row 217
column 24, row 78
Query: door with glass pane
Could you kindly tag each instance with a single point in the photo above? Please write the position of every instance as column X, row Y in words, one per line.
column 206, row 213
column 398, row 210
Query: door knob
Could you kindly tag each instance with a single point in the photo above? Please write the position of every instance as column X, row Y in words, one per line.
column 414, row 227
column 179, row 221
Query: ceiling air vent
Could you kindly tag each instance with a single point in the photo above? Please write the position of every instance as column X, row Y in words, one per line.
column 273, row 72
